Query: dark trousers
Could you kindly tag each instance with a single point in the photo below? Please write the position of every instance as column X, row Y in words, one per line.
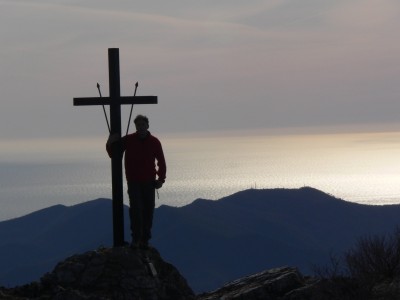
column 141, row 202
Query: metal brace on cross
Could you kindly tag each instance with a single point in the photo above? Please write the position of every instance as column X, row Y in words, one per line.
column 115, row 100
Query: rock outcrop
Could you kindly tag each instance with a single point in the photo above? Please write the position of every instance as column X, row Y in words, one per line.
column 280, row 283
column 124, row 273
column 288, row 283
column 116, row 273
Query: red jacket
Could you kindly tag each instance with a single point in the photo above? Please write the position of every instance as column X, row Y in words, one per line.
column 141, row 156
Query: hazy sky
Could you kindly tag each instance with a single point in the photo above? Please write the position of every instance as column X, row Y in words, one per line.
column 215, row 65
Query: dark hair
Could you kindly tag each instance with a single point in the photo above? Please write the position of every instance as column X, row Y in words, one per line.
column 141, row 117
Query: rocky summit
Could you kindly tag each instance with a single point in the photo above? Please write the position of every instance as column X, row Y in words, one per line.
column 134, row 274
column 108, row 273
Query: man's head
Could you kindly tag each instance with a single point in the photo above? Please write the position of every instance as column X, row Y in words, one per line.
column 142, row 125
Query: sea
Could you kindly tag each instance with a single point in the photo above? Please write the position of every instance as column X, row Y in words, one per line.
column 358, row 167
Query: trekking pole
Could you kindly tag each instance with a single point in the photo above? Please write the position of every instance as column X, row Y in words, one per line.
column 130, row 115
column 104, row 110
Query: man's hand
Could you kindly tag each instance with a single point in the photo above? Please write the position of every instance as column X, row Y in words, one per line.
column 158, row 184
column 115, row 137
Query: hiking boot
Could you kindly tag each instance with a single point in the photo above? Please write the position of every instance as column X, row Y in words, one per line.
column 144, row 245
column 134, row 245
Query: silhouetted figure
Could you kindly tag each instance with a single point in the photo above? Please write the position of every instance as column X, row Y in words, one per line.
column 145, row 171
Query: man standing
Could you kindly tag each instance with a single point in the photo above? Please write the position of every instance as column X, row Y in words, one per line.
column 145, row 171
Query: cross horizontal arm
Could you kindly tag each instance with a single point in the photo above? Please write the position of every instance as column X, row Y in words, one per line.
column 120, row 100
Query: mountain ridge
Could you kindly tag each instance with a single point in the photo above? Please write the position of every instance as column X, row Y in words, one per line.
column 211, row 242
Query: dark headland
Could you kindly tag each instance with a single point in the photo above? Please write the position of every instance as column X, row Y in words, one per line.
column 207, row 243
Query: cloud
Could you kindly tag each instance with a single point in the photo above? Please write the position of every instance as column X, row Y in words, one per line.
column 280, row 63
column 361, row 15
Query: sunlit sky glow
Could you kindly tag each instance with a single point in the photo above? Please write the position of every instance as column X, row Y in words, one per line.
column 215, row 65
column 361, row 167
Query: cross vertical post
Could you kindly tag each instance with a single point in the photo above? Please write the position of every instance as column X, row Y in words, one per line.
column 116, row 159
column 115, row 100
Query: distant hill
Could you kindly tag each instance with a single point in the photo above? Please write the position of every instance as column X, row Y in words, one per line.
column 210, row 242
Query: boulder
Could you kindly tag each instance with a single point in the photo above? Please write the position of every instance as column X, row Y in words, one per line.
column 281, row 283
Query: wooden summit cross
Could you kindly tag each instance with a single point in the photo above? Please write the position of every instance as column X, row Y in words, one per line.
column 115, row 101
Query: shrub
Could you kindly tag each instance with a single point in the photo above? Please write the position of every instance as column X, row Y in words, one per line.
column 333, row 270
column 375, row 258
